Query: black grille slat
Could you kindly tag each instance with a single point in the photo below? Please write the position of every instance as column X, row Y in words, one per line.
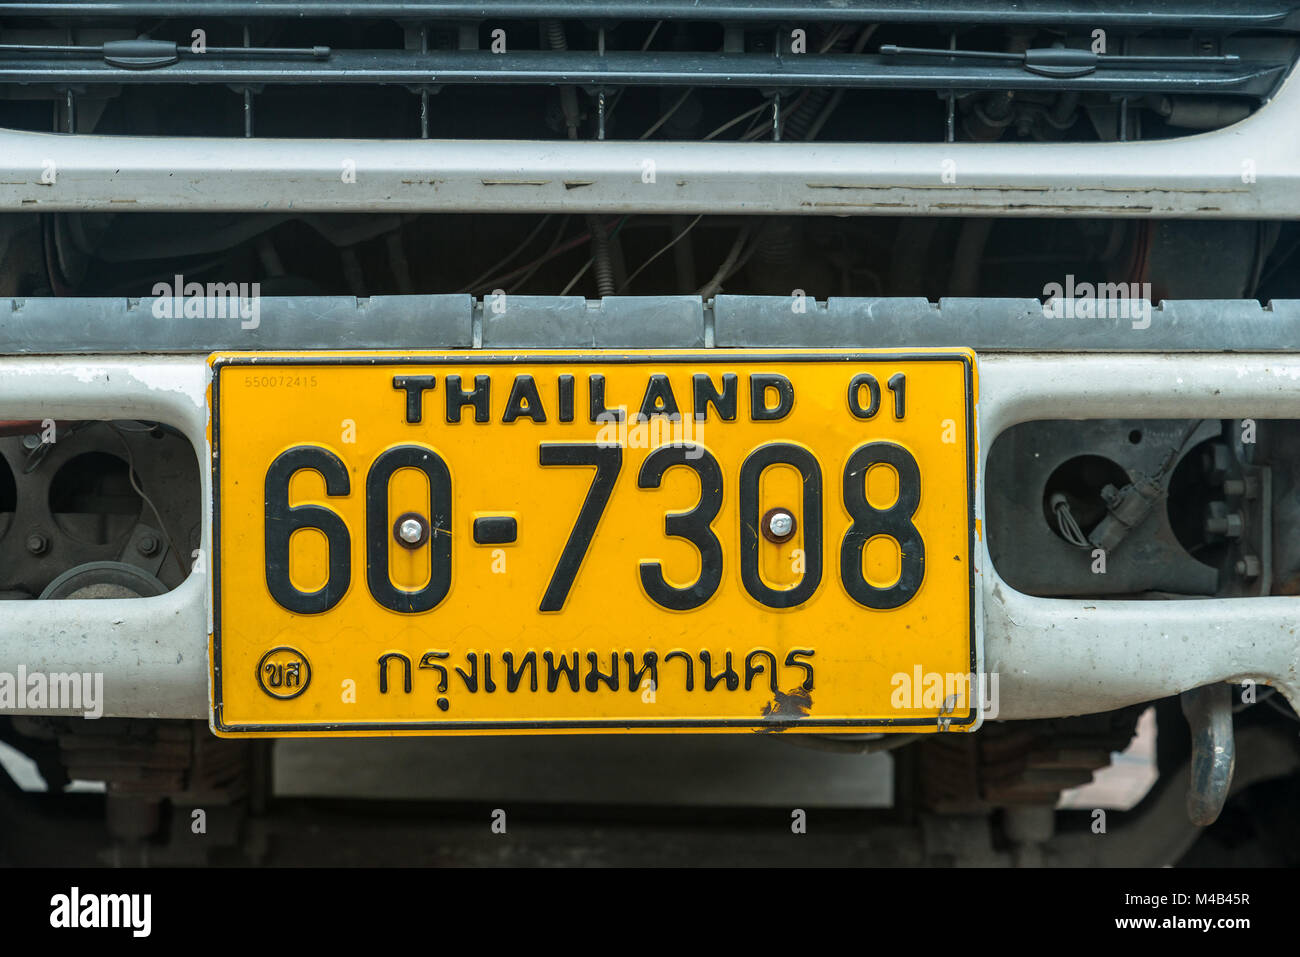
column 867, row 69
column 1212, row 15
column 614, row 69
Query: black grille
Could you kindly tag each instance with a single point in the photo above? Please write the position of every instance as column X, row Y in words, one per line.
column 619, row 69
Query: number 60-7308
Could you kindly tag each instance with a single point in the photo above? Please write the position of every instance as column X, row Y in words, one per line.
column 694, row 526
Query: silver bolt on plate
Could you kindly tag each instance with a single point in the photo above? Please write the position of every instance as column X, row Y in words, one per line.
column 411, row 530
column 778, row 525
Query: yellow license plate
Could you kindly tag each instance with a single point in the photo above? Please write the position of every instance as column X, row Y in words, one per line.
column 583, row 542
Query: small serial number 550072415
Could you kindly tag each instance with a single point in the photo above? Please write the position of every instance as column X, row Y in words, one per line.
column 276, row 381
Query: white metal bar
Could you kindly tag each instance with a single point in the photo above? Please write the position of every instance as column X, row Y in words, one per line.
column 1248, row 170
column 153, row 652
column 1058, row 657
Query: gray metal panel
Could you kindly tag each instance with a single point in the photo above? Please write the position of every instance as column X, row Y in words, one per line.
column 70, row 326
column 1007, row 325
column 632, row 322
column 83, row 326
column 740, row 321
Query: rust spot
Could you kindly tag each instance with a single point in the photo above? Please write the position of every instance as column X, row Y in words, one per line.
column 1061, row 207
column 1025, row 188
column 1288, row 586
column 859, row 205
column 1176, row 191
column 987, row 207
column 791, row 705
column 944, row 188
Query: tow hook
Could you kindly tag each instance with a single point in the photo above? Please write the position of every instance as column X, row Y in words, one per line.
column 1209, row 711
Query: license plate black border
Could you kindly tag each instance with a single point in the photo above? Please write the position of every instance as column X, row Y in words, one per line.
column 220, row 361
